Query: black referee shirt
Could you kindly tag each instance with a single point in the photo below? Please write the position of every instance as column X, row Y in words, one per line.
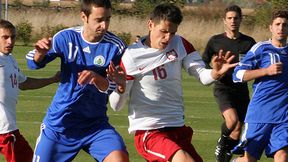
column 238, row 47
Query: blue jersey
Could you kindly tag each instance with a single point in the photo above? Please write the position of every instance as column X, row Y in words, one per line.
column 75, row 106
column 269, row 103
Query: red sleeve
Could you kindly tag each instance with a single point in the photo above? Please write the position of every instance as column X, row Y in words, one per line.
column 188, row 46
column 128, row 77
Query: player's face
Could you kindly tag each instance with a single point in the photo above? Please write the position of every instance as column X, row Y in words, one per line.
column 161, row 33
column 232, row 21
column 7, row 40
column 96, row 24
column 279, row 29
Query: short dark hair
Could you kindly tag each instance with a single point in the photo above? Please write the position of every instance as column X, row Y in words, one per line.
column 233, row 8
column 166, row 12
column 86, row 5
column 279, row 13
column 4, row 24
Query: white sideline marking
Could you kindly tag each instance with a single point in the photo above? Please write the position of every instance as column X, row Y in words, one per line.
column 126, row 127
column 30, row 96
column 43, row 112
column 36, row 96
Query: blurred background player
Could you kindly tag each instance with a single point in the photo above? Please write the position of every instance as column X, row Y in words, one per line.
column 232, row 98
column 13, row 145
column 154, row 73
column 266, row 122
column 77, row 117
column 137, row 38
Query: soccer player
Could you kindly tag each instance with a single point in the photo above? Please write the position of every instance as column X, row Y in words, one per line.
column 13, row 145
column 154, row 73
column 77, row 118
column 266, row 122
column 137, row 38
column 232, row 98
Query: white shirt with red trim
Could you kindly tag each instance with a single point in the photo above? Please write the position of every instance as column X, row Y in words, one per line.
column 10, row 78
column 155, row 83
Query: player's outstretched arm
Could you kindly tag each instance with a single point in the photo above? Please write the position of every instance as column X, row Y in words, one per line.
column 36, row 83
column 273, row 69
column 117, row 100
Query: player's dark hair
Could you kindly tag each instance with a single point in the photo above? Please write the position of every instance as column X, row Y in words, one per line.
column 7, row 25
column 233, row 8
column 166, row 12
column 86, row 5
column 279, row 13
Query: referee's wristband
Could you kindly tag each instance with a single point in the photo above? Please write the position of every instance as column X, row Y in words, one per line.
column 111, row 87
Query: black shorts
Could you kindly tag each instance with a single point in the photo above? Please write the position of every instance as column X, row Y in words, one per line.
column 234, row 98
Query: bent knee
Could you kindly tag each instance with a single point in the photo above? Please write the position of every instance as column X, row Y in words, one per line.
column 281, row 155
column 231, row 118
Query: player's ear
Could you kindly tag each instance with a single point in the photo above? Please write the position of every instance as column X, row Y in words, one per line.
column 150, row 24
column 83, row 17
column 224, row 20
column 270, row 28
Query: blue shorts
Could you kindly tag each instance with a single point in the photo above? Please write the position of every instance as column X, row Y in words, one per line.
column 56, row 146
column 259, row 137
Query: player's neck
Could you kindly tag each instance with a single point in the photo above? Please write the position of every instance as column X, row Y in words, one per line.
column 279, row 43
column 232, row 34
column 4, row 54
column 147, row 41
column 90, row 37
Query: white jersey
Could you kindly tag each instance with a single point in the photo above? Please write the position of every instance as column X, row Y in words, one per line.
column 156, row 98
column 10, row 78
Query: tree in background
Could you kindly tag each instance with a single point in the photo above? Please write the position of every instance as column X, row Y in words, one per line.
column 24, row 30
column 263, row 12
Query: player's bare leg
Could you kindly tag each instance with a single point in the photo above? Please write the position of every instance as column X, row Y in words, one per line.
column 246, row 158
column 230, row 133
column 281, row 155
column 117, row 156
column 181, row 156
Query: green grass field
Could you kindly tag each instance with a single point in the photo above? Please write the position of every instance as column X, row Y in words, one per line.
column 201, row 111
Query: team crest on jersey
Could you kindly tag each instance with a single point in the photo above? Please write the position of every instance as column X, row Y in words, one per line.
column 99, row 60
column 171, row 55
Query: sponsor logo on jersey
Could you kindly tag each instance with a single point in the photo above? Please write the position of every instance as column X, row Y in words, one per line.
column 171, row 55
column 141, row 68
column 99, row 60
column 87, row 49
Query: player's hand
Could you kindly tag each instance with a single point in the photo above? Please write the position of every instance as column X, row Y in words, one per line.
column 275, row 69
column 91, row 77
column 221, row 63
column 42, row 46
column 87, row 77
column 117, row 75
